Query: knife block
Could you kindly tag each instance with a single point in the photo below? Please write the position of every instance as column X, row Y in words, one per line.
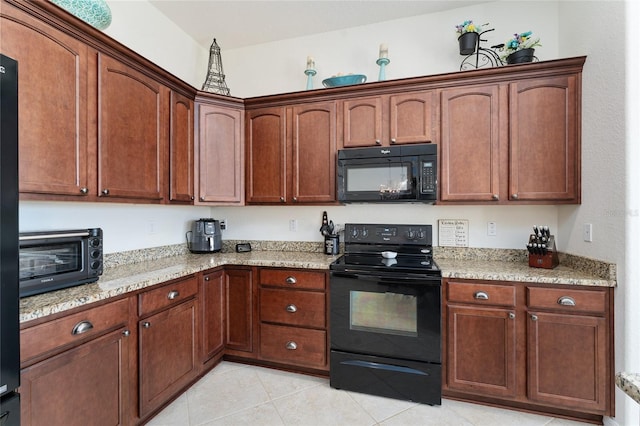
column 547, row 261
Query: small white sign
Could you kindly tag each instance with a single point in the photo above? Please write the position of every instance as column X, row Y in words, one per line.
column 453, row 233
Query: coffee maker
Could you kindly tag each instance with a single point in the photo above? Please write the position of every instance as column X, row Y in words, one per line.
column 206, row 236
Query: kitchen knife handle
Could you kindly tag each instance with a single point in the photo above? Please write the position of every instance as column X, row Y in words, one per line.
column 566, row 301
column 481, row 295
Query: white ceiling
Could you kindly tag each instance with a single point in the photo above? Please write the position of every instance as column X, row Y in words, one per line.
column 242, row 23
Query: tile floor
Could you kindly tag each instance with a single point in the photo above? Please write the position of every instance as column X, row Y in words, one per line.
column 238, row 394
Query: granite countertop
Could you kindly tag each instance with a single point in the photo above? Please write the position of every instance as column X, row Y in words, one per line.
column 630, row 384
column 121, row 277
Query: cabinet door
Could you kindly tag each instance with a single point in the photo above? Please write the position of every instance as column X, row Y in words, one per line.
column 181, row 149
column 481, row 350
column 239, row 309
column 132, row 132
column 53, row 103
column 362, row 122
column 212, row 298
column 412, row 117
column 567, row 364
column 266, row 156
column 220, row 155
column 470, row 144
column 84, row 385
column 544, row 135
column 314, row 153
column 167, row 354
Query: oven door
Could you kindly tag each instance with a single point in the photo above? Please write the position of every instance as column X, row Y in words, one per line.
column 377, row 179
column 393, row 316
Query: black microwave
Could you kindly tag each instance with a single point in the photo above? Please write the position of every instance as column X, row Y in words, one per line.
column 400, row 173
column 59, row 259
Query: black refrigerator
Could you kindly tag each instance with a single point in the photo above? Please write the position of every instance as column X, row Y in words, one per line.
column 9, row 246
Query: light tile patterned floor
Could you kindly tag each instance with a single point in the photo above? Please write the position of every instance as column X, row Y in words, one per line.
column 237, row 394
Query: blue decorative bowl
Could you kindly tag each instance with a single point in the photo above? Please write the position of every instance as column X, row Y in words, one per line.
column 93, row 12
column 344, row 80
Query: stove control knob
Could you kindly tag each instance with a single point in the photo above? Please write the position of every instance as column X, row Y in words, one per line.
column 421, row 234
column 355, row 233
column 365, row 233
column 411, row 234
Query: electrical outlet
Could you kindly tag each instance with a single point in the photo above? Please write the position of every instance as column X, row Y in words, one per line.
column 293, row 225
column 153, row 227
column 587, row 232
column 492, row 229
column 223, row 224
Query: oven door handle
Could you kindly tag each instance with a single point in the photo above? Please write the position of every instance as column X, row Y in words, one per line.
column 434, row 280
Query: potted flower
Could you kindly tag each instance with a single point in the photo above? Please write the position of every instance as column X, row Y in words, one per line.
column 520, row 48
column 468, row 35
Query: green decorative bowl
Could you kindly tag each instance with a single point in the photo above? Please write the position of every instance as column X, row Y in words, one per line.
column 344, row 80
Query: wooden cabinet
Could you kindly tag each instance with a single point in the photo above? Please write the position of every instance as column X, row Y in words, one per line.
column 212, row 302
column 516, row 142
column 293, row 318
column 181, row 149
column 220, row 153
column 390, row 119
column 543, row 348
column 77, row 368
column 132, row 133
column 291, row 154
column 168, row 341
column 54, row 98
column 239, row 310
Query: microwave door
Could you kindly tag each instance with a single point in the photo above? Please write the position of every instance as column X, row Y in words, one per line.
column 379, row 181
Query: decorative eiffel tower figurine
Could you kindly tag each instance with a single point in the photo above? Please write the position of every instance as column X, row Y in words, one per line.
column 215, row 79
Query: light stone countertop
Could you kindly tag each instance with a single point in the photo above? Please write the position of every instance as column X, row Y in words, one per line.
column 630, row 384
column 119, row 279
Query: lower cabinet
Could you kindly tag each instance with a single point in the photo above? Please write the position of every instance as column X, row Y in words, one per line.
column 83, row 369
column 212, row 306
column 239, row 310
column 293, row 318
column 543, row 348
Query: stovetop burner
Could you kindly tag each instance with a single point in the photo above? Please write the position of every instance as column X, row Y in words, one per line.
column 402, row 263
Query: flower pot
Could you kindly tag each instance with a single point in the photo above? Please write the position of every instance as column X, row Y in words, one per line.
column 468, row 42
column 521, row 56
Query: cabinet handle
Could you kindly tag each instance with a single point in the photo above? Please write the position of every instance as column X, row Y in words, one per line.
column 105, row 191
column 146, row 324
column 534, row 317
column 126, row 333
column 84, row 190
column 512, row 315
column 495, row 197
column 514, row 196
column 481, row 295
column 567, row 301
column 393, row 140
column 173, row 294
column 81, row 327
column 292, row 346
column 291, row 280
column 206, row 278
column 378, row 142
column 291, row 308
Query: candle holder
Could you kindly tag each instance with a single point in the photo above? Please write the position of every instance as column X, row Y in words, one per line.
column 383, row 62
column 310, row 72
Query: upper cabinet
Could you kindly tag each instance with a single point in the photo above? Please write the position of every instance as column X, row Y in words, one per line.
column 220, row 153
column 132, row 133
column 291, row 154
column 389, row 119
column 181, row 149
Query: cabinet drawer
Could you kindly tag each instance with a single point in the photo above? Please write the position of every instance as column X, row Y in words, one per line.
column 566, row 300
column 295, row 346
column 292, row 278
column 72, row 329
column 481, row 293
column 303, row 308
column 167, row 295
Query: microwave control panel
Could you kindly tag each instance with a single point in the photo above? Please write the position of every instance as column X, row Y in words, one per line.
column 428, row 179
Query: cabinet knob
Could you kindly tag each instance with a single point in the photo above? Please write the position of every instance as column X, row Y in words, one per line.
column 514, row 196
column 292, row 346
column 206, row 278
column 481, row 295
column 292, row 308
column 291, row 280
column 282, row 199
column 495, row 197
column 378, row 142
column 512, row 315
column 105, row 191
column 84, row 190
column 295, row 199
column 393, row 140
column 173, row 294
column 146, row 324
column 193, row 198
column 126, row 333
column 534, row 317
column 81, row 327
column 201, row 198
column 566, row 301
